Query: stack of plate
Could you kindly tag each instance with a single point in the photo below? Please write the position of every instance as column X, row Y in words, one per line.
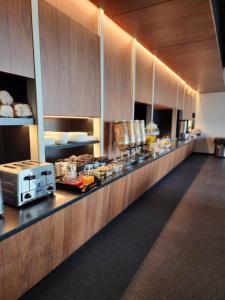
column 62, row 138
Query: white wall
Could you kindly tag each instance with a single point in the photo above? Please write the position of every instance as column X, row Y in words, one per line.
column 210, row 116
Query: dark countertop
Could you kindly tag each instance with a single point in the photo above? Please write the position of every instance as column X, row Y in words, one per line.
column 17, row 219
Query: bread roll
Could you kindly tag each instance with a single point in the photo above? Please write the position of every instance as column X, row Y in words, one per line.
column 6, row 111
column 5, row 98
column 22, row 110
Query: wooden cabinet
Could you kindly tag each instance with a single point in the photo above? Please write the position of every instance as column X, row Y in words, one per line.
column 16, row 40
column 189, row 104
column 70, row 59
column 143, row 75
column 172, row 90
column 161, row 84
column 180, row 97
column 186, row 114
column 82, row 11
column 166, row 84
column 192, row 104
column 118, row 103
column 28, row 256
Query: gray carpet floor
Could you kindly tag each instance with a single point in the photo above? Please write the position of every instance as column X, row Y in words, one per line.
column 188, row 260
column 104, row 267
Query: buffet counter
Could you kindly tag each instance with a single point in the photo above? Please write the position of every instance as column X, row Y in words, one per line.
column 43, row 234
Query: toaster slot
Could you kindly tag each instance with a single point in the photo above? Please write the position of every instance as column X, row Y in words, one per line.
column 9, row 167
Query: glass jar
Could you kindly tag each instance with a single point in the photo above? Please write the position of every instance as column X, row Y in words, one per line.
column 121, row 135
column 137, row 132
column 152, row 131
column 130, row 127
column 142, row 128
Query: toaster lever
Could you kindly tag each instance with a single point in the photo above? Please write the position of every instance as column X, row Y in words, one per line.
column 46, row 173
column 30, row 177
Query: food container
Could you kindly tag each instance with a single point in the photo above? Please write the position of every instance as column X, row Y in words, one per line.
column 131, row 134
column 142, row 129
column 121, row 135
column 152, row 131
column 61, row 168
column 82, row 184
column 137, row 132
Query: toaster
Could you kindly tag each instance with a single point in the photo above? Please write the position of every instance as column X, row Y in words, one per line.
column 26, row 181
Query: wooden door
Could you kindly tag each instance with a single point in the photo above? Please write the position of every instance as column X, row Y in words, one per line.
column 16, row 39
column 143, row 75
column 70, row 58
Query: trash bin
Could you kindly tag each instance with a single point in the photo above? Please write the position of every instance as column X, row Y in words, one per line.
column 219, row 147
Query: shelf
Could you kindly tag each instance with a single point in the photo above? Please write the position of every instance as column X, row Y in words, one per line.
column 16, row 121
column 70, row 145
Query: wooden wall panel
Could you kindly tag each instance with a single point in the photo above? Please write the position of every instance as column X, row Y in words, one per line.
column 28, row 256
column 118, row 50
column 186, row 104
column 165, row 86
column 180, row 99
column 172, row 90
column 70, row 59
column 118, row 104
column 144, row 75
column 161, row 84
column 16, row 39
column 82, row 11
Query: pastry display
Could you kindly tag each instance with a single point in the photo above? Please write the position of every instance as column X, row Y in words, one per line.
column 5, row 98
column 22, row 110
column 6, row 111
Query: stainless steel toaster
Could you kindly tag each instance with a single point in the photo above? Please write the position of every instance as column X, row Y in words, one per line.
column 26, row 181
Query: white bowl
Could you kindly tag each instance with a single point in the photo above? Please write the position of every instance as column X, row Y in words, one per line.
column 74, row 136
column 58, row 135
column 49, row 140
column 61, row 141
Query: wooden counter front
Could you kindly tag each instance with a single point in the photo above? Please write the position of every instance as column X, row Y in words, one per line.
column 28, row 256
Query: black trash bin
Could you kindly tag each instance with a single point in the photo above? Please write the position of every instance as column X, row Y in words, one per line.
column 219, row 147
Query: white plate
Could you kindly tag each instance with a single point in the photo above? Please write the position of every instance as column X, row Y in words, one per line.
column 84, row 139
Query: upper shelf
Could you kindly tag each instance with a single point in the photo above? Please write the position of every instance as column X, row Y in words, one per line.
column 70, row 145
column 16, row 121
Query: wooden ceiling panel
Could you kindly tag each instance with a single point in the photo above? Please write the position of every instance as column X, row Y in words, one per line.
column 170, row 23
column 117, row 7
column 181, row 33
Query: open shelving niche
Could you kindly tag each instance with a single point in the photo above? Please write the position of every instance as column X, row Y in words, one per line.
column 71, row 124
column 18, row 136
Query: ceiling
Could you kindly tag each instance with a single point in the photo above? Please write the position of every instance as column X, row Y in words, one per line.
column 181, row 33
